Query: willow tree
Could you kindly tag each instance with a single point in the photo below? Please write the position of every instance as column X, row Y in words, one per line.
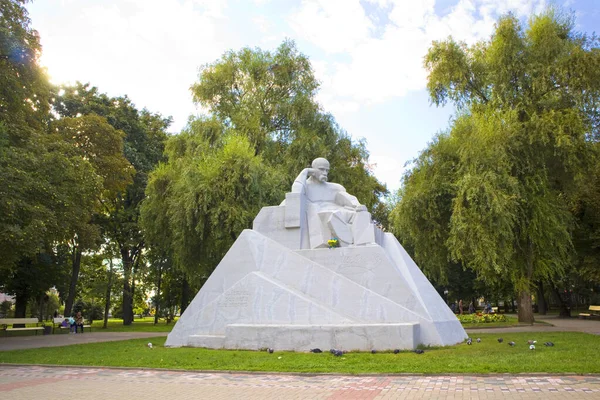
column 269, row 97
column 201, row 200
column 528, row 102
column 264, row 126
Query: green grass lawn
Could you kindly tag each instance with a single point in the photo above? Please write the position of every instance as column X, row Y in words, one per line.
column 573, row 353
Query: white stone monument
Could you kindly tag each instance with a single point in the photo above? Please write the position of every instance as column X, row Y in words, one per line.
column 280, row 285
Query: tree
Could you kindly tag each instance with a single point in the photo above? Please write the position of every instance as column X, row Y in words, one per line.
column 102, row 145
column 261, row 95
column 47, row 190
column 528, row 105
column 143, row 146
column 421, row 216
column 197, row 205
column 269, row 97
column 263, row 128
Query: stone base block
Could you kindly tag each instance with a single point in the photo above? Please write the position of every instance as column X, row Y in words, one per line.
column 362, row 337
column 208, row 341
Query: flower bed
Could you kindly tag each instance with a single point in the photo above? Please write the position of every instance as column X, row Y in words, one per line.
column 481, row 318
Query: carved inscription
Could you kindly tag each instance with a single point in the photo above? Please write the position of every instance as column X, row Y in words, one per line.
column 235, row 299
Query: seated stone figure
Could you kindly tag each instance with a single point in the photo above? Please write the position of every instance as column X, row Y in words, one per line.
column 326, row 210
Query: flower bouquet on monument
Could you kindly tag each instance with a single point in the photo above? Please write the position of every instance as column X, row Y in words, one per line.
column 333, row 242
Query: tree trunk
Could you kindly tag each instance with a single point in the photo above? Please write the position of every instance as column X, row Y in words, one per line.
column 76, row 265
column 157, row 296
column 41, row 308
column 564, row 310
column 21, row 304
column 108, row 293
column 525, row 312
column 185, row 295
column 542, row 304
column 132, row 293
column 127, row 294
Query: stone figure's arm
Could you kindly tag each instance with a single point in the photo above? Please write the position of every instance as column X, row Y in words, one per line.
column 344, row 199
column 300, row 181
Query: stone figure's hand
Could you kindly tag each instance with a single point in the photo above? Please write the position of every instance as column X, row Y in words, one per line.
column 361, row 207
column 312, row 172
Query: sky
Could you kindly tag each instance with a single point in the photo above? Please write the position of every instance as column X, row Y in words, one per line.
column 367, row 54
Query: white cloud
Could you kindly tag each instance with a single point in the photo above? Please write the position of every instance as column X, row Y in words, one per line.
column 390, row 65
column 149, row 50
column 336, row 25
column 375, row 63
column 262, row 23
column 388, row 169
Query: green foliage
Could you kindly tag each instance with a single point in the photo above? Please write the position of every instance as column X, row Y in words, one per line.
column 143, row 145
column 262, row 95
column 496, row 189
column 102, row 145
column 91, row 311
column 198, row 205
column 6, row 309
column 264, row 128
column 24, row 87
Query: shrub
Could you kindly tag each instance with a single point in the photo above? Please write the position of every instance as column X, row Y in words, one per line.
column 481, row 318
column 90, row 311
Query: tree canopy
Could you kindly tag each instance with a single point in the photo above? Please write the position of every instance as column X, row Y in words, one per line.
column 264, row 127
column 496, row 188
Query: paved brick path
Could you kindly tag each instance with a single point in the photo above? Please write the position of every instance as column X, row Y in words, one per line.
column 20, row 382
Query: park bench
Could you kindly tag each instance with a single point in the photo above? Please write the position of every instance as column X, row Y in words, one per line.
column 594, row 313
column 57, row 323
column 6, row 322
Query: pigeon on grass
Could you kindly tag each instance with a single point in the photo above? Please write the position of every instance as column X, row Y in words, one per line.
column 469, row 341
column 419, row 351
column 511, row 344
column 317, row 350
column 500, row 340
column 548, row 344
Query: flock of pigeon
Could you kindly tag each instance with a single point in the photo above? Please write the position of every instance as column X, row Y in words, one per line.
column 531, row 343
column 339, row 353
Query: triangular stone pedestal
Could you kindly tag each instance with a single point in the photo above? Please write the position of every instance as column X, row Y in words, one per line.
column 266, row 293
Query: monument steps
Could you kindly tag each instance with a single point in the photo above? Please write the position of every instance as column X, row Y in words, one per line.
column 208, row 341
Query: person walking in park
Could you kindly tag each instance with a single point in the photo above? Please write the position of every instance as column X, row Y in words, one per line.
column 460, row 306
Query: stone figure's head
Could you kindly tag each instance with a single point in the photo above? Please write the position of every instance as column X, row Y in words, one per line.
column 322, row 167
